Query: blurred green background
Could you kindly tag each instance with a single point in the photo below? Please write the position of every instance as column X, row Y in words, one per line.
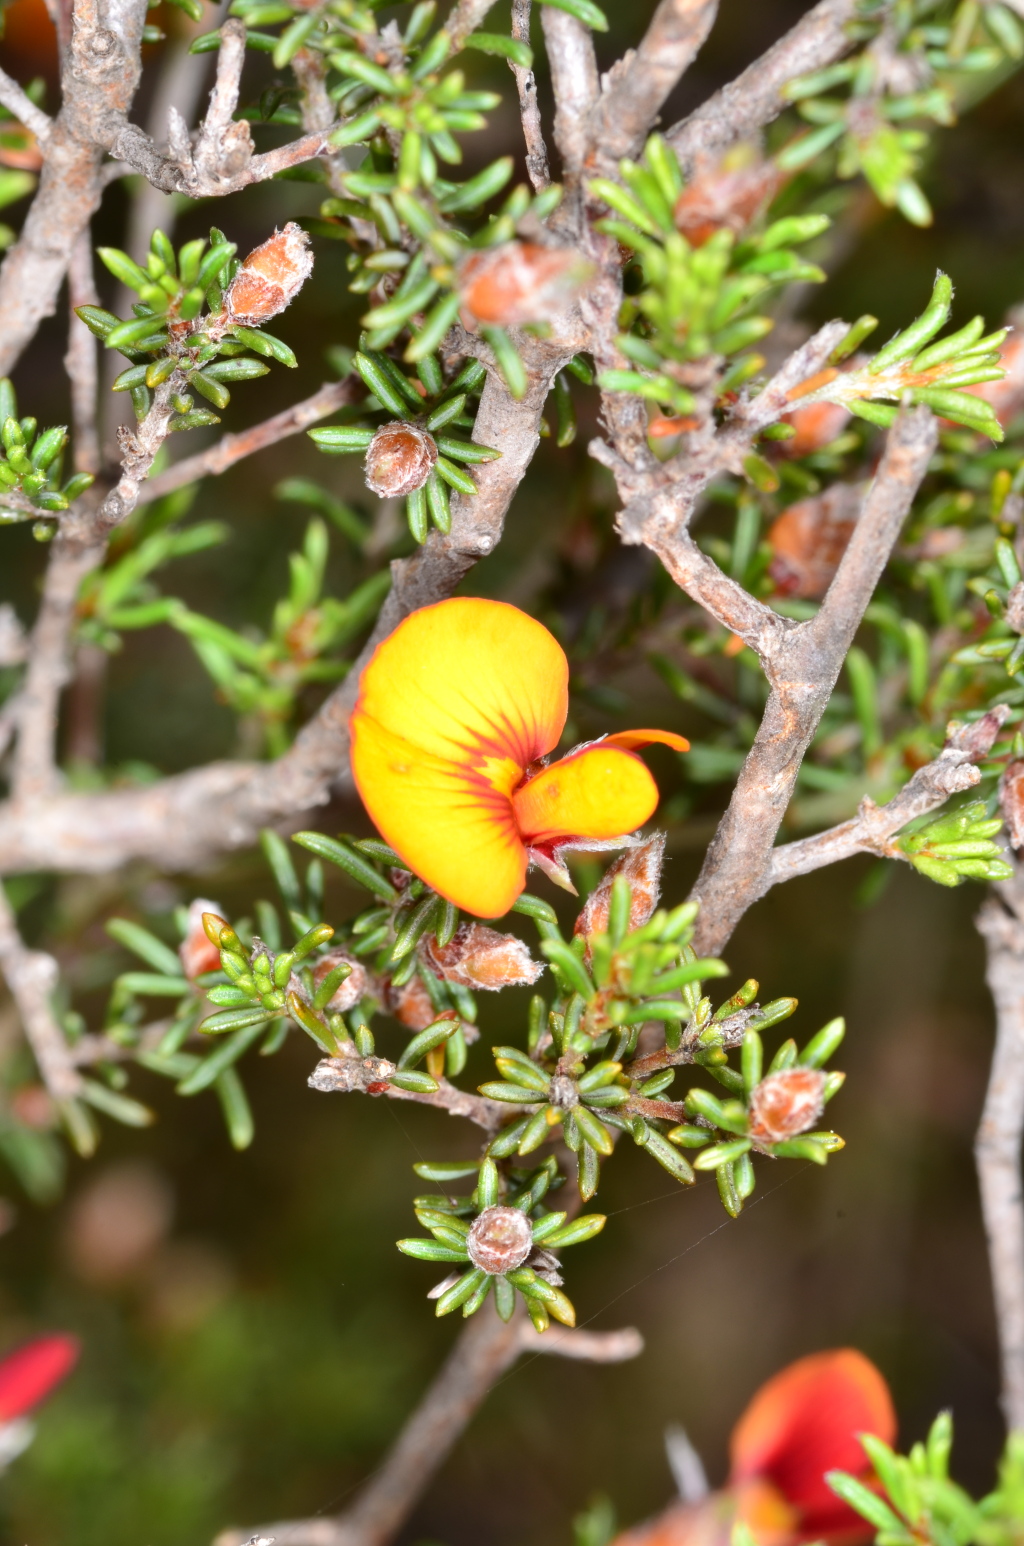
column 252, row 1338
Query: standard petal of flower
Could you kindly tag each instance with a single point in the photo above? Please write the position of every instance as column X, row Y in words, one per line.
column 450, row 824
column 30, row 1373
column 453, row 707
column 804, row 1422
column 469, row 679
column 600, row 792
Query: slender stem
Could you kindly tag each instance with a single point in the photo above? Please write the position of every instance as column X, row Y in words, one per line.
column 234, row 448
column 77, row 549
column 23, row 108
column 32, row 977
column 997, row 1146
column 756, row 97
column 576, row 86
column 537, row 168
column 80, row 361
column 874, row 826
column 485, row 1349
column 803, row 668
column 638, row 85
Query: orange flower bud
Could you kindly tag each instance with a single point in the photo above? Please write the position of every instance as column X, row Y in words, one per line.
column 520, row 282
column 810, row 538
column 33, row 1106
column 1011, row 800
column 355, row 986
column 270, row 277
column 399, row 459
column 816, row 425
column 197, row 951
column 786, row 1103
column 500, row 1240
column 478, row 957
column 641, row 866
column 410, row 1004
column 725, row 195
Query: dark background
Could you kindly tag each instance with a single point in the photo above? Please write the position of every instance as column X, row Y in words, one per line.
column 255, row 1358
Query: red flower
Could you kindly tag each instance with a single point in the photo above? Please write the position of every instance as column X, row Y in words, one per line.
column 28, row 1375
column 803, row 1422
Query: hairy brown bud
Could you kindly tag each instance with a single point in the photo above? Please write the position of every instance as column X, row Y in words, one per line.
column 410, row 1004
column 816, row 425
column 1011, row 800
column 399, row 459
column 197, row 951
column 478, row 957
column 642, row 868
column 355, row 986
column 270, row 277
column 520, row 282
column 809, row 539
column 786, row 1103
column 500, row 1240
column 34, row 1106
column 725, row 195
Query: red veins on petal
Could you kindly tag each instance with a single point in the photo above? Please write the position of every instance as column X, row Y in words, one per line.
column 805, row 1421
column 29, row 1374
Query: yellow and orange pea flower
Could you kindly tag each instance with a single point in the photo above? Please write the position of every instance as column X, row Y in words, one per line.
column 803, row 1422
column 458, row 711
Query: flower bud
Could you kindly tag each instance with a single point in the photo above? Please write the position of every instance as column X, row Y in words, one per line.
column 809, row 539
column 1011, row 801
column 355, row 986
column 270, row 277
column 816, row 426
column 399, row 459
column 33, row 1106
column 642, row 868
column 197, row 951
column 520, row 282
column 478, row 957
column 786, row 1103
column 725, row 195
column 410, row 1004
column 500, row 1240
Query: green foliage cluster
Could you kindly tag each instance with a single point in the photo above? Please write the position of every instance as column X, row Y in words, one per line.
column 918, row 1501
column 440, row 405
column 169, row 339
column 580, row 1079
column 31, row 464
column 914, row 70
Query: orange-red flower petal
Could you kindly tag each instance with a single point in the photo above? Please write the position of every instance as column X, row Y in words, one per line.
column 803, row 1422
column 30, row 1373
column 453, row 707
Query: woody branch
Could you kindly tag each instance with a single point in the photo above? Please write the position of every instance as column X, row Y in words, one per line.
column 802, row 671
column 997, row 1146
column 77, row 549
column 873, row 828
column 484, row 1351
